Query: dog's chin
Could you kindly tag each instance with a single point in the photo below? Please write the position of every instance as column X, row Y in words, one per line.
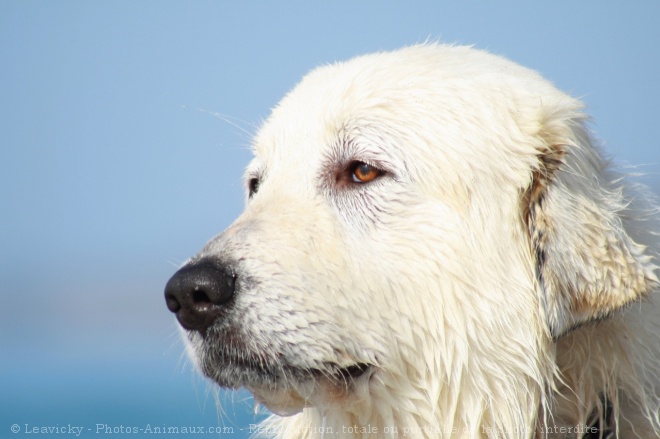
column 284, row 393
column 283, row 388
column 286, row 390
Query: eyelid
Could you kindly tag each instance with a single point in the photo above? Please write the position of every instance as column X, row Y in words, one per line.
column 384, row 166
column 253, row 170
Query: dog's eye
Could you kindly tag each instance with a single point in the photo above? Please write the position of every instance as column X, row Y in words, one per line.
column 253, row 186
column 364, row 173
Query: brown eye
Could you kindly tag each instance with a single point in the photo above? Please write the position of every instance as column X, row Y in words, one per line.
column 364, row 173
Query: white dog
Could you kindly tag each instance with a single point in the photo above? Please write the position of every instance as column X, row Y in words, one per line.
column 432, row 247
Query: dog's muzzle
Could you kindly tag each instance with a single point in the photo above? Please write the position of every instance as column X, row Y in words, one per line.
column 199, row 293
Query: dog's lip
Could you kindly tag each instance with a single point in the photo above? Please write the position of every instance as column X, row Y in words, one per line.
column 332, row 372
column 339, row 375
column 353, row 371
column 273, row 372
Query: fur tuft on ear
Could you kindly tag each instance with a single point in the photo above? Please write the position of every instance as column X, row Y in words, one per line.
column 576, row 211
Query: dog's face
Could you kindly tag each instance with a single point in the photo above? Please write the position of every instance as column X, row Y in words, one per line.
column 404, row 217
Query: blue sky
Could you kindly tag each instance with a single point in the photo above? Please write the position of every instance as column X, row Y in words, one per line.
column 116, row 166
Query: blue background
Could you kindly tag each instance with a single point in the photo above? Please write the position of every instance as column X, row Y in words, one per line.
column 124, row 130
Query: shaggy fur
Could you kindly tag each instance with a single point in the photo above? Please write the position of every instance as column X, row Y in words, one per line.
column 495, row 279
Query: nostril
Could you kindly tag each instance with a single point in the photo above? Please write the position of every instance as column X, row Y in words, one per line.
column 200, row 297
column 198, row 293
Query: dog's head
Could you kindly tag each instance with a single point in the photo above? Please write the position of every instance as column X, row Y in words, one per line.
column 418, row 222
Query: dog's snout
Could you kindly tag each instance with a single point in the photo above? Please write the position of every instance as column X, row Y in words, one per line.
column 197, row 293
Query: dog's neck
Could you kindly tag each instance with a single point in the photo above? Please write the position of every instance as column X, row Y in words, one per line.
column 414, row 409
column 466, row 406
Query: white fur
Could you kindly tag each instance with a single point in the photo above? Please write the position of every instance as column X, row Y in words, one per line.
column 498, row 278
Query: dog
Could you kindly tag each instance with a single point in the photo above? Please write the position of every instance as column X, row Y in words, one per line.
column 432, row 246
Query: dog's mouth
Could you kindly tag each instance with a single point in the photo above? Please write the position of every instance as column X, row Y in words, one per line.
column 285, row 389
column 235, row 373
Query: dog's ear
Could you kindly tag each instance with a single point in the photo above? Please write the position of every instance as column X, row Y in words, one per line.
column 587, row 265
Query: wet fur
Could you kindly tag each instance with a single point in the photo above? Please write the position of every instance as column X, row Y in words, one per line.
column 498, row 280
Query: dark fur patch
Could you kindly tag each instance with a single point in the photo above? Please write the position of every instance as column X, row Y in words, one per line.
column 601, row 427
column 532, row 201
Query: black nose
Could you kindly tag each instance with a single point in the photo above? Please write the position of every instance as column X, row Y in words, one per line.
column 197, row 293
